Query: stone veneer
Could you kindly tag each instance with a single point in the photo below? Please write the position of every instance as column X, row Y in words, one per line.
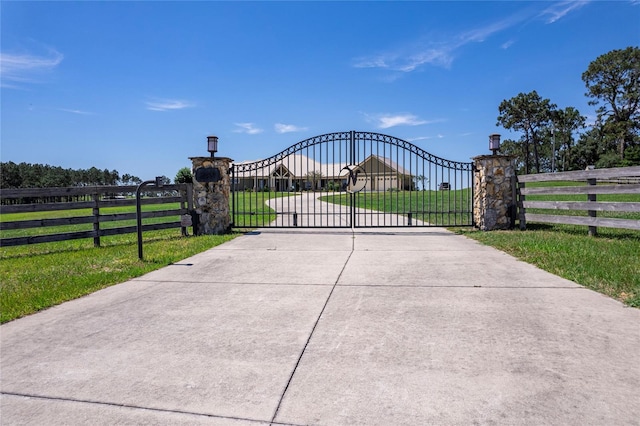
column 211, row 199
column 493, row 193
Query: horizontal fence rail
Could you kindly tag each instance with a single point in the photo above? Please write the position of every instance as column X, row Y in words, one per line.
column 39, row 200
column 583, row 183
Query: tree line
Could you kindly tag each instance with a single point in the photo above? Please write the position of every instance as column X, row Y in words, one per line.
column 556, row 139
column 27, row 175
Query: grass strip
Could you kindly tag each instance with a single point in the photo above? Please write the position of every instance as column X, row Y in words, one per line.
column 608, row 263
column 39, row 276
column 440, row 208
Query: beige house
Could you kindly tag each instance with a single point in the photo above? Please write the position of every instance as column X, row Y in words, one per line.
column 298, row 172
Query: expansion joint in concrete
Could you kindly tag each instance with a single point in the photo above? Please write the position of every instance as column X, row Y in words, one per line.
column 313, row 329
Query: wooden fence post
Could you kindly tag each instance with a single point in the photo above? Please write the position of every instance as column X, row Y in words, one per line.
column 96, row 220
column 521, row 199
column 593, row 230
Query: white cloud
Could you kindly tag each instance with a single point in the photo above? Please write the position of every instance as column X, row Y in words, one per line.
column 434, row 52
column 168, row 104
column 75, row 111
column 419, row 138
column 442, row 51
column 288, row 128
column 409, row 61
column 385, row 121
column 248, row 128
column 507, row 44
column 558, row 10
column 23, row 68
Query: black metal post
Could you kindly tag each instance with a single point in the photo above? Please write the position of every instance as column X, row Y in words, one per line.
column 158, row 183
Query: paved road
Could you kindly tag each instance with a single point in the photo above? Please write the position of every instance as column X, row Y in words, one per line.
column 401, row 327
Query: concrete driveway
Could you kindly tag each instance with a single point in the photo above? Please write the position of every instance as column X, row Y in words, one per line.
column 380, row 327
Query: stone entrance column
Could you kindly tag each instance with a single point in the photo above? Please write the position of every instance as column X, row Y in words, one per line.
column 494, row 192
column 211, row 190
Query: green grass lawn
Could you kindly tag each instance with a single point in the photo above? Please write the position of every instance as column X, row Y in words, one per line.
column 608, row 263
column 251, row 210
column 38, row 276
column 440, row 208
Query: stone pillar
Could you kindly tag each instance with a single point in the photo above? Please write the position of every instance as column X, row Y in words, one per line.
column 211, row 191
column 493, row 196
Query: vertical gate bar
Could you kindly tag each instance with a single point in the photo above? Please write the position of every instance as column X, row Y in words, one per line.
column 379, row 196
column 336, row 169
column 234, row 194
column 347, row 150
column 320, row 177
column 455, row 196
column 441, row 203
column 421, row 196
column 316, row 216
column 366, row 195
column 431, row 174
column 438, row 213
column 261, row 205
column 254, row 199
column 333, row 186
column 449, row 197
column 315, row 186
column 411, row 182
column 247, row 209
column 470, row 198
column 352, row 145
column 309, row 187
column 288, row 189
column 396, row 207
column 404, row 152
column 259, row 217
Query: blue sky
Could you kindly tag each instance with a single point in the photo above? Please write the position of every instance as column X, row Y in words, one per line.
column 137, row 86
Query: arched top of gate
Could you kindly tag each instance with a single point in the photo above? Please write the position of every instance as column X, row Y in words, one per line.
column 357, row 137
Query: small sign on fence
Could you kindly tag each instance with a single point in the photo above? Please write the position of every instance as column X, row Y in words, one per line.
column 185, row 220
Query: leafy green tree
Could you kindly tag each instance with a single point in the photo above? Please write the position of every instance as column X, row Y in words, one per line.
column 184, row 176
column 530, row 114
column 10, row 175
column 565, row 123
column 165, row 180
column 613, row 83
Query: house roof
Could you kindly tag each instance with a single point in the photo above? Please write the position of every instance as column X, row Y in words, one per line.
column 299, row 166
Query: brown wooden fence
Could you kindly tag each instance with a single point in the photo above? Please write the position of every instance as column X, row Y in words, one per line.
column 587, row 183
column 101, row 197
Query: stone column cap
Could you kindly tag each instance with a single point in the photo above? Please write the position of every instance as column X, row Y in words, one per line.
column 209, row 158
column 489, row 156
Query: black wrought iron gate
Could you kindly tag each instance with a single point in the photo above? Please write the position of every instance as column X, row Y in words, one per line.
column 352, row 179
